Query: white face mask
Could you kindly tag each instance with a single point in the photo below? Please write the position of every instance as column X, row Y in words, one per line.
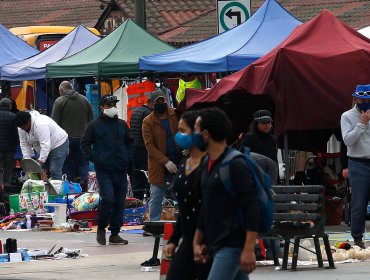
column 111, row 112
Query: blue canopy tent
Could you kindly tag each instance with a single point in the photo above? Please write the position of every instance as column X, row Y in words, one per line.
column 34, row 68
column 13, row 48
column 231, row 50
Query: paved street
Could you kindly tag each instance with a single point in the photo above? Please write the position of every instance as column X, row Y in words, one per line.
column 123, row 262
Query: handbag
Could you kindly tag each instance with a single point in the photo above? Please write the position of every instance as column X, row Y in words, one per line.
column 69, row 187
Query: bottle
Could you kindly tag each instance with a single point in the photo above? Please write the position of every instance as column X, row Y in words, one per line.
column 144, row 199
column 28, row 223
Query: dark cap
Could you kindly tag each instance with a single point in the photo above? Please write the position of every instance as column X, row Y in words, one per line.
column 22, row 118
column 154, row 95
column 262, row 116
column 108, row 98
column 5, row 102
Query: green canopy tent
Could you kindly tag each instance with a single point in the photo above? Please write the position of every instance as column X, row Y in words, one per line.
column 116, row 55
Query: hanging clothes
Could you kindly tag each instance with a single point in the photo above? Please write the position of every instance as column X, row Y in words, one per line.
column 168, row 94
column 137, row 95
column 180, row 95
column 123, row 101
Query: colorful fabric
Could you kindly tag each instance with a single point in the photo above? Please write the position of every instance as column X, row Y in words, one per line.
column 180, row 95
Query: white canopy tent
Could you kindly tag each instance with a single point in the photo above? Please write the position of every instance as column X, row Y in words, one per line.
column 365, row 31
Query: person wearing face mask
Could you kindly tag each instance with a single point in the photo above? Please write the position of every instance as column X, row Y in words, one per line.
column 355, row 128
column 69, row 107
column 219, row 231
column 159, row 129
column 43, row 134
column 107, row 143
column 187, row 190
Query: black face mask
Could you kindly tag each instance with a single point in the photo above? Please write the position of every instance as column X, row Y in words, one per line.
column 160, row 108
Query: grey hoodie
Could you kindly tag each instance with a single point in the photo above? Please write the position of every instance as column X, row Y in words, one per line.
column 72, row 111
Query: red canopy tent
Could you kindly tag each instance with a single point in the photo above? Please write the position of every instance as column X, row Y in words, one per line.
column 310, row 77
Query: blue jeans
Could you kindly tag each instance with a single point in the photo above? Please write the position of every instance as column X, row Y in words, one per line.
column 75, row 165
column 359, row 180
column 112, row 190
column 157, row 193
column 155, row 203
column 56, row 159
column 226, row 265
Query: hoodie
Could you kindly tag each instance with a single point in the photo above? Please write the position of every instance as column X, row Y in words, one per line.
column 44, row 136
column 72, row 112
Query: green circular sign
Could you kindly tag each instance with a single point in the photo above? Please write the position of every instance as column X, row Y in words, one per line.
column 229, row 5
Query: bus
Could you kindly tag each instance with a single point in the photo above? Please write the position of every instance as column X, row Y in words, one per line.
column 41, row 38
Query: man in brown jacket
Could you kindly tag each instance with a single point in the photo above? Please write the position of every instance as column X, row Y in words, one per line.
column 159, row 129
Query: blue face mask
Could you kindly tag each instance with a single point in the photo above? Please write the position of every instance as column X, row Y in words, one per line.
column 364, row 106
column 184, row 141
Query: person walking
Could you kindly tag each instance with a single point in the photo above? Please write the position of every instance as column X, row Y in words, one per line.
column 355, row 128
column 220, row 233
column 186, row 187
column 140, row 154
column 159, row 129
column 8, row 142
column 72, row 112
column 107, row 142
column 43, row 134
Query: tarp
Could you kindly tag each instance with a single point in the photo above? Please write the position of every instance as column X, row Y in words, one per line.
column 365, row 31
column 13, row 48
column 231, row 50
column 115, row 55
column 34, row 68
column 310, row 76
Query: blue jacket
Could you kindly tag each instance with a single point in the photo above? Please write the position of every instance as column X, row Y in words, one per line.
column 107, row 142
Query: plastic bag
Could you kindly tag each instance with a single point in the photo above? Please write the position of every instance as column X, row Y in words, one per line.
column 69, row 187
column 31, row 186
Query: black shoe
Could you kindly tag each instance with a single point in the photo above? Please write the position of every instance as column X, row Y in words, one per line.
column 100, row 237
column 360, row 244
column 117, row 240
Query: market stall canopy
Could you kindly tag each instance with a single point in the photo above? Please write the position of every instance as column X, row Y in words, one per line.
column 310, row 76
column 115, row 55
column 231, row 50
column 13, row 48
column 34, row 68
column 365, row 31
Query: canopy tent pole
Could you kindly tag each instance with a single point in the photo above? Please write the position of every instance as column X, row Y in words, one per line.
column 99, row 87
column 286, row 159
column 47, row 98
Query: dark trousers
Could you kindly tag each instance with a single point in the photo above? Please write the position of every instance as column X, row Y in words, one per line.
column 7, row 164
column 138, row 178
column 359, row 180
column 75, row 164
column 112, row 190
column 183, row 267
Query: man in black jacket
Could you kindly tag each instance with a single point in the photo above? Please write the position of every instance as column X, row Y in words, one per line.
column 220, row 230
column 106, row 142
column 140, row 154
column 8, row 142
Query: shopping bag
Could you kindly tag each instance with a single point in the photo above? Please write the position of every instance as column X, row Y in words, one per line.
column 69, row 187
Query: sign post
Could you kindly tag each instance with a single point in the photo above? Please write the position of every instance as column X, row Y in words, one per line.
column 232, row 13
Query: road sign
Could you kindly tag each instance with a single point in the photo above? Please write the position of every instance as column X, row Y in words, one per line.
column 232, row 13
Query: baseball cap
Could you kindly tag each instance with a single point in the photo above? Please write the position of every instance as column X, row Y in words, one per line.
column 262, row 116
column 108, row 98
column 154, row 95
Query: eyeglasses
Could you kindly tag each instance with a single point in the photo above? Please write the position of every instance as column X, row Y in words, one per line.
column 363, row 93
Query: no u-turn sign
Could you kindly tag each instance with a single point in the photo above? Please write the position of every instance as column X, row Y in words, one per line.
column 232, row 13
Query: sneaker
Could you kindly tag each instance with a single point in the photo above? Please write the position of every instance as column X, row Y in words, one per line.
column 100, row 237
column 117, row 240
column 360, row 244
